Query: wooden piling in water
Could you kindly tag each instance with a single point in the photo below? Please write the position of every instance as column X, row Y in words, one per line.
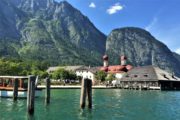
column 15, row 89
column 47, row 92
column 89, row 92
column 83, row 93
column 86, row 90
column 31, row 94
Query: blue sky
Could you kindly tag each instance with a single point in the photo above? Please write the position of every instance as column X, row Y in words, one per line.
column 160, row 17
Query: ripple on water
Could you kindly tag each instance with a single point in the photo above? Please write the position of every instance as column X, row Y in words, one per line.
column 107, row 105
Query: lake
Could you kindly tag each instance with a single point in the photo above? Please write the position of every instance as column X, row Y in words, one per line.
column 108, row 104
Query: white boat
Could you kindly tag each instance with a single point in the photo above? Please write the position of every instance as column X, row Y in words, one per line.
column 154, row 88
column 7, row 83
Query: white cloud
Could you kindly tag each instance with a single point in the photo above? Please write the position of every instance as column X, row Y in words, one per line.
column 151, row 24
column 178, row 51
column 115, row 8
column 92, row 5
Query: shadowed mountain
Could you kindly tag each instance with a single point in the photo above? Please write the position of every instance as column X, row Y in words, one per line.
column 141, row 49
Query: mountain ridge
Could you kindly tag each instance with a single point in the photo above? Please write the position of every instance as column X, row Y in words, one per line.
column 58, row 33
column 59, row 29
column 141, row 49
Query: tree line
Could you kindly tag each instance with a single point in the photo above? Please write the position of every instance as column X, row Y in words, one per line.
column 23, row 68
column 14, row 67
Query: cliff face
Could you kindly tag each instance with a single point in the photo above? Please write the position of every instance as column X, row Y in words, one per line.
column 47, row 30
column 177, row 56
column 141, row 49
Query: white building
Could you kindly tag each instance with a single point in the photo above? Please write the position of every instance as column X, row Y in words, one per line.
column 86, row 72
column 83, row 71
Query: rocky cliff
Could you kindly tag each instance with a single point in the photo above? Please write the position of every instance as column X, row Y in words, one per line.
column 141, row 49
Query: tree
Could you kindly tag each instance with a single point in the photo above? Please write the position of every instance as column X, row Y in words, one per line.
column 79, row 78
column 110, row 77
column 60, row 74
column 101, row 75
column 72, row 75
column 44, row 75
column 22, row 68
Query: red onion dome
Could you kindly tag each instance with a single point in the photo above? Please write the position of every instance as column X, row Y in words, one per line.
column 105, row 57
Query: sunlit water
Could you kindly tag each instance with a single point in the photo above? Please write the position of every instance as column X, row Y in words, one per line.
column 107, row 105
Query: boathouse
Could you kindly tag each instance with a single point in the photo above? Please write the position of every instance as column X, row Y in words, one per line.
column 149, row 77
column 9, row 83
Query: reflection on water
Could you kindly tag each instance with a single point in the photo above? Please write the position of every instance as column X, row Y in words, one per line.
column 84, row 114
column 30, row 117
column 107, row 105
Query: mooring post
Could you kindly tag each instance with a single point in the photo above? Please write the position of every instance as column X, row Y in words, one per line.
column 47, row 92
column 31, row 94
column 83, row 93
column 15, row 89
column 89, row 92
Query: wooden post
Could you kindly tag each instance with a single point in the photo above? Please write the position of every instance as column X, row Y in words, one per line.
column 83, row 93
column 47, row 92
column 31, row 94
column 20, row 82
column 86, row 90
column 89, row 92
column 15, row 89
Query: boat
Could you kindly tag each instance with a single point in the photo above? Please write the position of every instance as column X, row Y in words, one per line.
column 7, row 85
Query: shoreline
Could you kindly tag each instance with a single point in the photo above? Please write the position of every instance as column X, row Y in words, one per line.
column 72, row 87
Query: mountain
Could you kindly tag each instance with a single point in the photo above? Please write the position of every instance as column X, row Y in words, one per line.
column 141, row 49
column 50, row 31
column 58, row 33
column 177, row 56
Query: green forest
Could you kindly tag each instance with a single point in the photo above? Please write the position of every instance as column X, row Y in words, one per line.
column 17, row 67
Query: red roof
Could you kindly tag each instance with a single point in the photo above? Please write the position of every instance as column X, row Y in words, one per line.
column 129, row 67
column 104, row 69
column 116, row 68
column 113, row 72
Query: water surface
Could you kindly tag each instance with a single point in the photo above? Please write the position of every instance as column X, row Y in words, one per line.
column 108, row 104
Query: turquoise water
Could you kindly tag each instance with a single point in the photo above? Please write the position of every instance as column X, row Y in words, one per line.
column 107, row 105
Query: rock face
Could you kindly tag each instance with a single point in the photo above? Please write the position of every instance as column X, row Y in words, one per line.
column 51, row 31
column 8, row 15
column 141, row 49
column 177, row 56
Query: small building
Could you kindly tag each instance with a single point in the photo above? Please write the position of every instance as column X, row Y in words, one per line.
column 87, row 72
column 82, row 71
column 149, row 77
